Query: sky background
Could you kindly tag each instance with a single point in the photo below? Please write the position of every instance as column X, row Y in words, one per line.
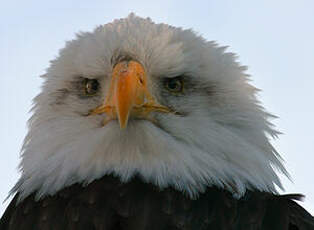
column 275, row 39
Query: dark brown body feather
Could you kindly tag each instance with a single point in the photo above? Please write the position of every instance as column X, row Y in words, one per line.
column 108, row 204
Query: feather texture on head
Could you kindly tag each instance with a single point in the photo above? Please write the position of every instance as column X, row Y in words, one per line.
column 218, row 134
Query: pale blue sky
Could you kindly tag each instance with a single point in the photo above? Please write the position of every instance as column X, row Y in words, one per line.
column 274, row 38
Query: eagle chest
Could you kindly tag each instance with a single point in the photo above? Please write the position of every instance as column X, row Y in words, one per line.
column 109, row 204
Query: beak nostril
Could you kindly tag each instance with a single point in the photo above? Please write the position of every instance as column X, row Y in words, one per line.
column 141, row 81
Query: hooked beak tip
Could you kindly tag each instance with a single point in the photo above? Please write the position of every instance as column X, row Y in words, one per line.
column 123, row 125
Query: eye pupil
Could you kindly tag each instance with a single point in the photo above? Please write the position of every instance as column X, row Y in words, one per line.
column 91, row 86
column 94, row 85
column 172, row 85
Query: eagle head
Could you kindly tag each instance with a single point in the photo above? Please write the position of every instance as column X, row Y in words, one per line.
column 160, row 102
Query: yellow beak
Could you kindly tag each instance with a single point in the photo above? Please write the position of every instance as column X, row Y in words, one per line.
column 128, row 95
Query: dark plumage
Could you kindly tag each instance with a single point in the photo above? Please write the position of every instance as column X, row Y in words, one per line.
column 108, row 204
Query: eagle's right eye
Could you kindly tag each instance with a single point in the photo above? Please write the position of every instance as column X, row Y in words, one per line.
column 174, row 85
column 91, row 86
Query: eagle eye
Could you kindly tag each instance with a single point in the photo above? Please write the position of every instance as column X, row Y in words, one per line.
column 174, row 85
column 91, row 86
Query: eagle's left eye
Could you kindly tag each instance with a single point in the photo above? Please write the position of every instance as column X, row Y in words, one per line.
column 91, row 86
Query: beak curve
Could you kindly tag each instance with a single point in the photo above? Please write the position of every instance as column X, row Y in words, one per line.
column 129, row 89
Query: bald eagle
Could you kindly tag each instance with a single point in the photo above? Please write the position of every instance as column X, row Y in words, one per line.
column 148, row 126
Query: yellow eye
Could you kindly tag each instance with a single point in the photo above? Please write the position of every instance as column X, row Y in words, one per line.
column 174, row 85
column 91, row 86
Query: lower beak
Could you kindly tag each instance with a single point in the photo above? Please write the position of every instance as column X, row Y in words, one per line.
column 129, row 95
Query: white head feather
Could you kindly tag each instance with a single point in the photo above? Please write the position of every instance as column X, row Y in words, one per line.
column 221, row 140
